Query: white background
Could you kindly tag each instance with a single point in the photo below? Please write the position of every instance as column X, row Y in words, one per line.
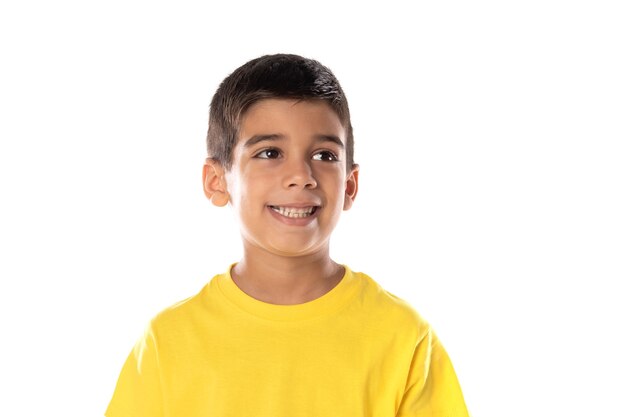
column 490, row 136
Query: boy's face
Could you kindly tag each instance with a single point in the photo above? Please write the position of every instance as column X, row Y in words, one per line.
column 289, row 182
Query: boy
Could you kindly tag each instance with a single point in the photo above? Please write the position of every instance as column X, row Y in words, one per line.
column 286, row 331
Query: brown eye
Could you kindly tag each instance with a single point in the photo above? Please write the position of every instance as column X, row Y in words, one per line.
column 327, row 156
column 268, row 154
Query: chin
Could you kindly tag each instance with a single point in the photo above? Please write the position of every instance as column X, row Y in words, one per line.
column 292, row 249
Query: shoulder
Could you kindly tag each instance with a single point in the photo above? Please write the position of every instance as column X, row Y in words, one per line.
column 384, row 305
column 181, row 312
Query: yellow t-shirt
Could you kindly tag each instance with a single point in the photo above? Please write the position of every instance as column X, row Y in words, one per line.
column 355, row 351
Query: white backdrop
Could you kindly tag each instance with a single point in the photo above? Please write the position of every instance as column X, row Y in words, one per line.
column 493, row 185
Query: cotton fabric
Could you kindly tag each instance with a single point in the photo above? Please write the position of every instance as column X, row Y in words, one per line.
column 356, row 351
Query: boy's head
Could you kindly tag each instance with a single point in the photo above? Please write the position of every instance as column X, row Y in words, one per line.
column 280, row 153
column 281, row 76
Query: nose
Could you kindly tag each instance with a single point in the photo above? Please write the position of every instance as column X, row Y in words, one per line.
column 299, row 174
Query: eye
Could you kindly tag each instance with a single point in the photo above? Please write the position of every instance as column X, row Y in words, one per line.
column 269, row 153
column 327, row 156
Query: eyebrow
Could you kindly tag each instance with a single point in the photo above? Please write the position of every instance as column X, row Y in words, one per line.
column 277, row 137
column 260, row 138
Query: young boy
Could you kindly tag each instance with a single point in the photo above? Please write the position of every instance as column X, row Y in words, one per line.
column 286, row 331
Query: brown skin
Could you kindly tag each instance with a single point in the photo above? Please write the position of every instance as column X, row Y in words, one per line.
column 296, row 165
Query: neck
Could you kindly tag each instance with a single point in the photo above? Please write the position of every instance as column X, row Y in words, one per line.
column 286, row 280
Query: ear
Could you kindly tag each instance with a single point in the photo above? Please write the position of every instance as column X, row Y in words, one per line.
column 352, row 187
column 214, row 183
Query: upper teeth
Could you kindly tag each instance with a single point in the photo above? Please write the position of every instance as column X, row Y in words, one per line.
column 293, row 212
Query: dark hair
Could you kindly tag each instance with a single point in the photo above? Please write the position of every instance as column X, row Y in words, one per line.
column 271, row 76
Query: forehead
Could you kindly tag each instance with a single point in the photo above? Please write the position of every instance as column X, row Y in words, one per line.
column 289, row 117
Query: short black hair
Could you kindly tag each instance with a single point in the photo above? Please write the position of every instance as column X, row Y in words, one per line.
column 271, row 76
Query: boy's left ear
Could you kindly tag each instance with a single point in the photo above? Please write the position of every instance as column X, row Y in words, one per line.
column 352, row 187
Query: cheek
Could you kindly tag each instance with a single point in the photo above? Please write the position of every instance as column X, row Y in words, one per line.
column 333, row 175
column 240, row 187
column 254, row 194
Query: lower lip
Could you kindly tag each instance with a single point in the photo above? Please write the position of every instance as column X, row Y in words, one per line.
column 294, row 221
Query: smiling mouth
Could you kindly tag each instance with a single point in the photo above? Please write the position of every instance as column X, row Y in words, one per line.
column 293, row 212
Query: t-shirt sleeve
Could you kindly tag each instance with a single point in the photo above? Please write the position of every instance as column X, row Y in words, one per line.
column 432, row 388
column 138, row 389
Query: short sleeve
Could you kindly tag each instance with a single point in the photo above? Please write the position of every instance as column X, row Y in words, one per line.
column 138, row 389
column 432, row 388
